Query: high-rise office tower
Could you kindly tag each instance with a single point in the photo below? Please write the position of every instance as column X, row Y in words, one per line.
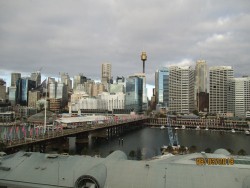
column 97, row 88
column 238, row 96
column 52, row 88
column 181, row 89
column 219, row 77
column 79, row 79
column 36, row 76
column 144, row 90
column 119, row 86
column 201, row 86
column 66, row 80
column 106, row 74
column 2, row 90
column 162, row 87
column 201, row 76
column 34, row 96
column 14, row 77
column 24, row 85
column 62, row 93
column 12, row 95
column 134, row 93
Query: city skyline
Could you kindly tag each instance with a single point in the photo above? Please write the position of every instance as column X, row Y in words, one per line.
column 80, row 36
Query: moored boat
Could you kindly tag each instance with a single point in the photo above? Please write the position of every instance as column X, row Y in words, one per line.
column 162, row 127
column 198, row 128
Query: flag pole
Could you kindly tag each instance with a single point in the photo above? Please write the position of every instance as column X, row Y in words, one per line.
column 44, row 127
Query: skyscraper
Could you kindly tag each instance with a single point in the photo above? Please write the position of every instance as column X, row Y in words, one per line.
column 238, row 96
column 2, row 90
column 36, row 76
column 201, row 86
column 79, row 79
column 61, row 93
column 219, row 77
column 181, row 89
column 201, row 76
column 106, row 74
column 24, row 85
column 66, row 80
column 144, row 90
column 134, row 91
column 162, row 87
column 14, row 77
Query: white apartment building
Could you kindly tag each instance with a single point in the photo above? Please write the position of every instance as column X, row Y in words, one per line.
column 219, row 77
column 113, row 100
column 88, row 103
column 78, row 95
column 181, row 89
column 105, row 100
column 238, row 96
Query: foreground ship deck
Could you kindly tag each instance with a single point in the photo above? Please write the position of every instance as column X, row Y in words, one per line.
column 27, row 169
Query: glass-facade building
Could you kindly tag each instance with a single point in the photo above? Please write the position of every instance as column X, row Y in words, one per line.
column 134, row 93
column 23, row 86
column 162, row 87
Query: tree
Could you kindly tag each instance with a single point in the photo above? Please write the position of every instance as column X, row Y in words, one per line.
column 131, row 154
column 138, row 154
column 170, row 149
column 208, row 150
column 242, row 152
column 182, row 149
column 192, row 149
column 195, row 112
column 162, row 116
column 230, row 151
column 84, row 151
column 2, row 146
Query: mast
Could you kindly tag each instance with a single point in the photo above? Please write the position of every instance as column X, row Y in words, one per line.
column 45, row 118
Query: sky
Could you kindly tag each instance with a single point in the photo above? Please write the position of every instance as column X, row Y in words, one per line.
column 78, row 36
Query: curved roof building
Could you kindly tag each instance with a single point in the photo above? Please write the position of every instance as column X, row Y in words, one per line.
column 25, row 169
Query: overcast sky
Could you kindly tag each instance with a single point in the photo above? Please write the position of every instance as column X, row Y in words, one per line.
column 78, row 36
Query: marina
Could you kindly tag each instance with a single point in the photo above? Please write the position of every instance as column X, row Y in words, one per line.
column 148, row 141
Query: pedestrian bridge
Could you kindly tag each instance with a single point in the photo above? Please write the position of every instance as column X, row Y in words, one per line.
column 34, row 136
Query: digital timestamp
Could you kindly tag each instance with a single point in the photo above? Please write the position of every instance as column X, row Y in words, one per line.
column 214, row 161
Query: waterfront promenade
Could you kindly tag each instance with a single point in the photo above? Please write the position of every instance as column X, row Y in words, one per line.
column 219, row 124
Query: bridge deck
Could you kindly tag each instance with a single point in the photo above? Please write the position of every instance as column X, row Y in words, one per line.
column 67, row 132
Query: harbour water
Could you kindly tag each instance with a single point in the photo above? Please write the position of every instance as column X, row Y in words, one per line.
column 147, row 142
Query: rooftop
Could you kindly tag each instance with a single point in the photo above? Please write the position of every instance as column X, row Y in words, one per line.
column 182, row 171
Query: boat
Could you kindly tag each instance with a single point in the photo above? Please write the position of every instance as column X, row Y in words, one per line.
column 247, row 133
column 206, row 129
column 233, row 131
column 176, row 128
column 198, row 128
column 183, row 127
column 162, row 127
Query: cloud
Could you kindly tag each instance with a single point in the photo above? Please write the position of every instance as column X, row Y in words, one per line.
column 182, row 63
column 78, row 36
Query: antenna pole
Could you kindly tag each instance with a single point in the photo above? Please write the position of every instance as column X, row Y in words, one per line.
column 44, row 127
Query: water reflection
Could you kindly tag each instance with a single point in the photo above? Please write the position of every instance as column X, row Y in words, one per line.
column 146, row 143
